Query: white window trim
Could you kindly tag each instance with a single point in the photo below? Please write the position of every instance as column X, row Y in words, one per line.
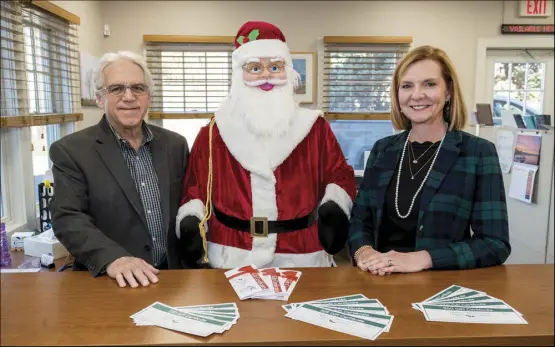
column 481, row 78
column 6, row 175
column 16, row 144
column 481, row 84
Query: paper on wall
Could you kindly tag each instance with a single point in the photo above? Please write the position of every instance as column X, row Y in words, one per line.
column 505, row 148
column 522, row 182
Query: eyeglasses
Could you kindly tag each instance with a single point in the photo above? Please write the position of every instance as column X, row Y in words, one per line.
column 257, row 68
column 119, row 90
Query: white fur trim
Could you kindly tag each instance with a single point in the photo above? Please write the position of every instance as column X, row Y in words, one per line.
column 194, row 207
column 264, row 204
column 261, row 49
column 232, row 257
column 337, row 194
column 243, row 145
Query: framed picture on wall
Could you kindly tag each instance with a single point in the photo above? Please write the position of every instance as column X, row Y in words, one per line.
column 305, row 64
column 88, row 63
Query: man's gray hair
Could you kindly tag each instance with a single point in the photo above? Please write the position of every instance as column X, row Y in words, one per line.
column 111, row 57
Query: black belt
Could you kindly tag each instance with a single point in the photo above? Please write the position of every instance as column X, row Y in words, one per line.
column 260, row 226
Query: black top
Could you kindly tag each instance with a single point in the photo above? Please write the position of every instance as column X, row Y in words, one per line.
column 396, row 233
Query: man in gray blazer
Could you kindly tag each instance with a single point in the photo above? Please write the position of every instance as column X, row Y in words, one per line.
column 118, row 184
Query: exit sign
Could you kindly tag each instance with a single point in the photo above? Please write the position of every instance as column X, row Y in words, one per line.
column 536, row 8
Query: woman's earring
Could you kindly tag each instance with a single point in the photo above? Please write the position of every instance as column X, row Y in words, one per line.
column 447, row 111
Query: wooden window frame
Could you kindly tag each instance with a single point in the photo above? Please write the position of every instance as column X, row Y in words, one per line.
column 42, row 120
column 56, row 10
column 229, row 39
column 45, row 119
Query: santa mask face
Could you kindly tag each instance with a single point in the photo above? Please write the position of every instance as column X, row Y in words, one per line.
column 264, row 73
column 262, row 95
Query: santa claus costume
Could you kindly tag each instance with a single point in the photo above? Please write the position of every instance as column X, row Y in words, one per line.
column 280, row 188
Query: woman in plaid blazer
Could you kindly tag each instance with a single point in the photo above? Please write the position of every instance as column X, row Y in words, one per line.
column 432, row 197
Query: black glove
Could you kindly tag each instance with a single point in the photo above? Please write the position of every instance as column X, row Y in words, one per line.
column 190, row 243
column 333, row 226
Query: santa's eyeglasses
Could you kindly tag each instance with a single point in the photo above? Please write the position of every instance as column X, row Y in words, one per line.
column 258, row 68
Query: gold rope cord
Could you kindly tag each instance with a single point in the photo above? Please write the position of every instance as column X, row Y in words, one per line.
column 208, row 204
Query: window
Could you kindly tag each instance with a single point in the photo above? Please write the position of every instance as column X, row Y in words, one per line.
column 357, row 138
column 12, row 63
column 518, row 81
column 189, row 77
column 51, row 60
column 42, row 137
column 49, row 54
column 40, row 92
column 189, row 128
column 356, row 79
column 357, row 76
column 519, row 87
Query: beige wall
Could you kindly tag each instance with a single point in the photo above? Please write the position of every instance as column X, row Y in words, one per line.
column 451, row 25
column 90, row 41
column 454, row 26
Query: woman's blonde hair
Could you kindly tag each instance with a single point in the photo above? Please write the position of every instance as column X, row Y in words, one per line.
column 455, row 115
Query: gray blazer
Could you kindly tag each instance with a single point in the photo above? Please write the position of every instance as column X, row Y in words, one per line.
column 97, row 213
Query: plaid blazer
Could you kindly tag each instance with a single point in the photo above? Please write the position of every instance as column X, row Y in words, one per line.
column 464, row 191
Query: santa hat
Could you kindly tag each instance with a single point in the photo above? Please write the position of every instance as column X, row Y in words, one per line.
column 257, row 39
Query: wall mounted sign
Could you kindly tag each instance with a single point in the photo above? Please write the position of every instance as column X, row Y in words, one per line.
column 527, row 29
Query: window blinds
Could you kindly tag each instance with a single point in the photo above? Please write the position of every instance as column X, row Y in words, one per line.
column 357, row 76
column 189, row 77
column 39, row 61
column 12, row 61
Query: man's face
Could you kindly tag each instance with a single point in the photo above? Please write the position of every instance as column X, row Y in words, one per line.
column 125, row 97
column 264, row 73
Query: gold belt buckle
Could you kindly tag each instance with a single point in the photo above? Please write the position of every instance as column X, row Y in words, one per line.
column 264, row 221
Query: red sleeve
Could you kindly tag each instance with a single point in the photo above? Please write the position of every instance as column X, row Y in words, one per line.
column 196, row 174
column 333, row 165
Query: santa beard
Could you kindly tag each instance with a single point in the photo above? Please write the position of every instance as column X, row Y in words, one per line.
column 264, row 113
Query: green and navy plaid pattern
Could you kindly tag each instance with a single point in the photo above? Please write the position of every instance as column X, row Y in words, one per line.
column 141, row 167
column 462, row 220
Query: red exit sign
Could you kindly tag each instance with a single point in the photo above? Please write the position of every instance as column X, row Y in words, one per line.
column 536, row 8
column 527, row 29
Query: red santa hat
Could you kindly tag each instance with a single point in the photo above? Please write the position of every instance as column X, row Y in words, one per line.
column 257, row 39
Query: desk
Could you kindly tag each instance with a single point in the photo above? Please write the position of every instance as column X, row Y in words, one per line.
column 72, row 308
column 18, row 257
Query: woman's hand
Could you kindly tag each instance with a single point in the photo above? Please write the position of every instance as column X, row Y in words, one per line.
column 364, row 257
column 394, row 262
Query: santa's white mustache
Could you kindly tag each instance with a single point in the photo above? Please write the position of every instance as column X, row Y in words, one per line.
column 261, row 82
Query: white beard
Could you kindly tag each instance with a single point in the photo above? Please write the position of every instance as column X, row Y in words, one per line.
column 264, row 113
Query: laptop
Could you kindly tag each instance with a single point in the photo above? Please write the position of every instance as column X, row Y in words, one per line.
column 484, row 115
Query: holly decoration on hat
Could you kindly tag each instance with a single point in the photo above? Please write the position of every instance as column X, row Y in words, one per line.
column 253, row 35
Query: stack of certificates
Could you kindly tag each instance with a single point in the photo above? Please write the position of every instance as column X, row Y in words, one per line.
column 264, row 284
column 355, row 315
column 195, row 320
column 458, row 304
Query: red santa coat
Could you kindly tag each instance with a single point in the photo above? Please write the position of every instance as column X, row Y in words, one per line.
column 281, row 180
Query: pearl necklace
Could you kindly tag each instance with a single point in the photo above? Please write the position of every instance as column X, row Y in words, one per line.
column 423, row 181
